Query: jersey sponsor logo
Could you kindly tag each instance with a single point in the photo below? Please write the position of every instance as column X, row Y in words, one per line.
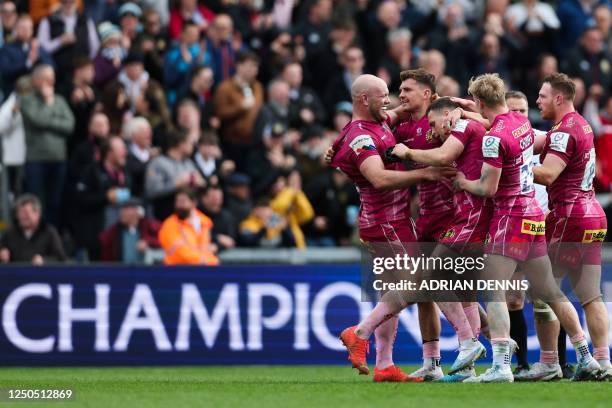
column 460, row 126
column 526, row 142
column 490, row 146
column 558, row 141
column 533, row 227
column 518, row 132
column 594, row 235
column 587, row 129
column 362, row 143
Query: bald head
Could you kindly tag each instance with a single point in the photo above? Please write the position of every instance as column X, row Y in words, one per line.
column 365, row 84
column 370, row 98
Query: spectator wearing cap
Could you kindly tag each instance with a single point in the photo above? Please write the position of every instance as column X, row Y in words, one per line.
column 209, row 160
column 129, row 20
column 134, row 78
column 238, row 201
column 184, row 56
column 170, row 172
column 66, row 34
column 137, row 131
column 186, row 235
column 238, row 101
column 48, row 123
column 305, row 106
column 31, row 240
column 18, row 57
column 103, row 186
column 189, row 11
column 128, row 239
column 224, row 232
column 108, row 61
column 200, row 91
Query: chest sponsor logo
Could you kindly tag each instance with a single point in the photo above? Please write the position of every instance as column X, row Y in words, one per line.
column 533, row 227
column 594, row 235
column 490, row 146
column 587, row 129
column 362, row 143
column 558, row 141
column 518, row 132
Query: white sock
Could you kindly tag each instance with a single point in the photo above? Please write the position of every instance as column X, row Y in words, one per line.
column 501, row 352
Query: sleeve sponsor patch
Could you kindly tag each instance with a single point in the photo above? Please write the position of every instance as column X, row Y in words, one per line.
column 461, row 125
column 558, row 141
column 362, row 143
column 490, row 146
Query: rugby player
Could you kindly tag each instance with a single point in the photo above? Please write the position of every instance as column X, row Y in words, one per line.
column 576, row 224
column 516, row 235
column 469, row 223
column 384, row 215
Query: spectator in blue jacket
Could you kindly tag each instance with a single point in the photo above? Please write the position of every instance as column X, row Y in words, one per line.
column 18, row 57
column 181, row 58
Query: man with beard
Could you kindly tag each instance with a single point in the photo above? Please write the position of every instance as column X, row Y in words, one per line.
column 384, row 215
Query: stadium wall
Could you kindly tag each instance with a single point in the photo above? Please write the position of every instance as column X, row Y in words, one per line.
column 115, row 315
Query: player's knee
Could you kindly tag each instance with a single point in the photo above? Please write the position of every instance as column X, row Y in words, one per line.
column 587, row 300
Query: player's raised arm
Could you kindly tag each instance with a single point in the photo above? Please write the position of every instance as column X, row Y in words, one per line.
column 373, row 170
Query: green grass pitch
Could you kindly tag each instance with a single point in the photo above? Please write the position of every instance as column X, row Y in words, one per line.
column 283, row 386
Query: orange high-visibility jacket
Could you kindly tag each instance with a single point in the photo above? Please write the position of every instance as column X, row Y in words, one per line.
column 184, row 245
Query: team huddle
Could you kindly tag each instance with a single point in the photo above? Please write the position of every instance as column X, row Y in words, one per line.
column 473, row 166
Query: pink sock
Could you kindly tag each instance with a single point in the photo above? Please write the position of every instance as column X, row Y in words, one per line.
column 382, row 312
column 601, row 353
column 473, row 316
column 385, row 337
column 549, row 357
column 577, row 338
column 431, row 349
column 453, row 311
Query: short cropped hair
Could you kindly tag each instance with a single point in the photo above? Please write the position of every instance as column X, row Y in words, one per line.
column 442, row 103
column 562, row 83
column 421, row 76
column 515, row 95
column 489, row 88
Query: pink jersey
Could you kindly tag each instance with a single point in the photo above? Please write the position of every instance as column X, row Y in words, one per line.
column 434, row 196
column 509, row 145
column 470, row 134
column 572, row 194
column 359, row 140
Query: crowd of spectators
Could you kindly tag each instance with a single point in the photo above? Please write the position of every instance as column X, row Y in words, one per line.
column 207, row 120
